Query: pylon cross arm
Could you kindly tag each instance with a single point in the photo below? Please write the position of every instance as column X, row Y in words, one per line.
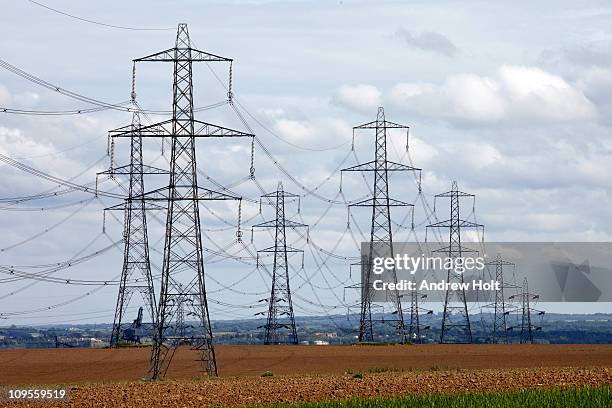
column 182, row 55
column 283, row 194
column 154, row 130
column 275, row 249
column 393, row 166
column 127, row 170
column 387, row 124
column 370, row 202
column 210, row 130
column 454, row 223
column 273, row 224
column 163, row 129
column 455, row 248
column 449, row 194
column 147, row 206
column 369, row 166
column 203, row 194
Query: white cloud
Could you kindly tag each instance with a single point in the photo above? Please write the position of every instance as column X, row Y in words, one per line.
column 358, row 97
column 14, row 143
column 421, row 152
column 474, row 97
column 317, row 133
column 514, row 93
column 293, row 129
column 534, row 93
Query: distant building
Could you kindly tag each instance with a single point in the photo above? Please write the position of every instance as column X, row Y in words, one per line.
column 330, row 335
column 97, row 343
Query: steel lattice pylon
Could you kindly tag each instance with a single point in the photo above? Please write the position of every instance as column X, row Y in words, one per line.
column 136, row 243
column 455, row 318
column 280, row 325
column 500, row 326
column 381, row 236
column 527, row 327
column 182, row 297
column 136, row 271
column 415, row 326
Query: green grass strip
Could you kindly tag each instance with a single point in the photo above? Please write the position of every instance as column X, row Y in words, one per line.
column 588, row 397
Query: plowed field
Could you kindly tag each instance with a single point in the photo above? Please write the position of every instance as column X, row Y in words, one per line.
column 241, row 391
column 48, row 366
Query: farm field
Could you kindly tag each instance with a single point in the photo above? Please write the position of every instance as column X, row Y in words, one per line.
column 48, row 366
column 293, row 374
column 290, row 389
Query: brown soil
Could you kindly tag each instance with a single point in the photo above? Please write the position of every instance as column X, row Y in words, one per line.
column 247, row 390
column 48, row 366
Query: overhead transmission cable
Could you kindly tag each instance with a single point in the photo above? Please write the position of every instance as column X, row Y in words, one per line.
column 233, row 99
column 48, row 229
column 46, row 176
column 87, row 20
column 74, row 95
column 55, row 191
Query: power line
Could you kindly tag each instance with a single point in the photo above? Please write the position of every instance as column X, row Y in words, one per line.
column 65, row 264
column 86, row 20
column 233, row 99
column 55, row 191
column 276, row 135
column 74, row 95
column 54, row 306
column 48, row 208
column 48, row 229
column 57, row 180
column 53, row 113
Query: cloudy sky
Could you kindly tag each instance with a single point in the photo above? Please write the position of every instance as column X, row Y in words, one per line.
column 513, row 102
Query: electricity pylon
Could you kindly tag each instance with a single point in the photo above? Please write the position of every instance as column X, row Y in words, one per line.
column 501, row 311
column 136, row 271
column 415, row 326
column 526, row 333
column 381, row 236
column 455, row 317
column 183, row 291
column 280, row 325
column 527, row 327
column 136, row 259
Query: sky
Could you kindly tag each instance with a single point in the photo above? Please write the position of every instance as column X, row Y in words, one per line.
column 511, row 101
